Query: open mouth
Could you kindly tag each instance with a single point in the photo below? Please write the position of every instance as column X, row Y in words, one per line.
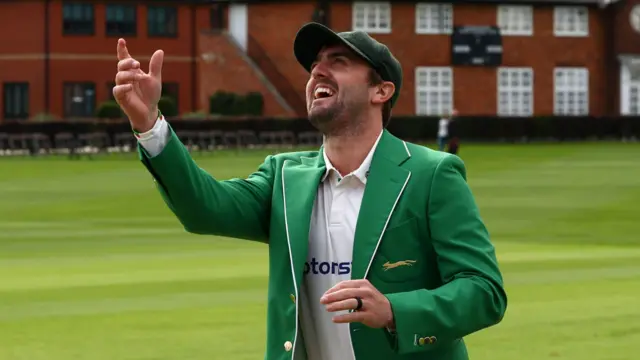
column 323, row 92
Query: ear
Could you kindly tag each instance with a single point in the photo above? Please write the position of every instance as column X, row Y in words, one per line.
column 383, row 92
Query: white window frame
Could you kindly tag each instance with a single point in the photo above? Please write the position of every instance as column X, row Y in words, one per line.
column 443, row 92
column 514, row 107
column 570, row 89
column 515, row 20
column 381, row 10
column 434, row 18
column 577, row 14
column 629, row 83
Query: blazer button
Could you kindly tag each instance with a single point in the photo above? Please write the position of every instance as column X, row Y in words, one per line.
column 293, row 298
column 432, row 340
column 288, row 346
column 421, row 341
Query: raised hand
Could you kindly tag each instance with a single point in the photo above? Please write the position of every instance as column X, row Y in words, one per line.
column 138, row 92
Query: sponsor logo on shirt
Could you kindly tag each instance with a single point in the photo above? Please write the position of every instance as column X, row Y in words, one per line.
column 316, row 267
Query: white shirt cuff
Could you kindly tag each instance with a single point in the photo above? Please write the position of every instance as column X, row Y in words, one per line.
column 154, row 140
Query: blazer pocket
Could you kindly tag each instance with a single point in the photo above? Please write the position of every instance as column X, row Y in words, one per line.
column 400, row 223
column 400, row 257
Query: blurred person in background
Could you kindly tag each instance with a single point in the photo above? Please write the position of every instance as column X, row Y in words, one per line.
column 376, row 247
column 443, row 129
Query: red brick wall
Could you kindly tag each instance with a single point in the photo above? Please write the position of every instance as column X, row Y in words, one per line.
column 222, row 67
column 100, row 67
column 475, row 89
column 22, row 50
column 87, row 58
column 274, row 26
column 626, row 39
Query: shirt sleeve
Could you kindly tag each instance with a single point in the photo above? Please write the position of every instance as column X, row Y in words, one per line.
column 154, row 140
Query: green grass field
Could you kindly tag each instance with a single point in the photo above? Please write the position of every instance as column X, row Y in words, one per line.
column 93, row 266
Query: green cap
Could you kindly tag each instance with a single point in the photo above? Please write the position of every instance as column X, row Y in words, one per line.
column 313, row 36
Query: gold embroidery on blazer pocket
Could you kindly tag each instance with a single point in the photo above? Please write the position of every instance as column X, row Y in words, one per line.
column 400, row 256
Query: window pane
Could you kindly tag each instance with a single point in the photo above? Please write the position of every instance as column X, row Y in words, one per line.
column 16, row 100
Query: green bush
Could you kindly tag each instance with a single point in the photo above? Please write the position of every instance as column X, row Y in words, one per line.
column 254, row 104
column 227, row 103
column 222, row 103
column 109, row 110
column 168, row 106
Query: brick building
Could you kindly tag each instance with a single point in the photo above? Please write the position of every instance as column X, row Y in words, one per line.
column 559, row 57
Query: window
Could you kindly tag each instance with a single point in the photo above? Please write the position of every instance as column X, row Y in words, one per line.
column 515, row 92
column 162, row 21
column 630, row 86
column 77, row 18
column 571, row 21
column 79, row 99
column 16, row 100
column 434, row 18
column 217, row 16
column 372, row 17
column 434, row 90
column 120, row 20
column 571, row 87
column 515, row 19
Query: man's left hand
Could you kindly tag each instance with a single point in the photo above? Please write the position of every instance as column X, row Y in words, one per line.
column 375, row 312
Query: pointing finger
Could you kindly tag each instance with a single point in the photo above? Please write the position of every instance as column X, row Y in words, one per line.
column 123, row 52
column 155, row 64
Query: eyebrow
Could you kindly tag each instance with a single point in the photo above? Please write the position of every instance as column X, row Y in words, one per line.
column 340, row 53
column 335, row 54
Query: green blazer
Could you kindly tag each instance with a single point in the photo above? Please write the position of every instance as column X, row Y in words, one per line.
column 419, row 240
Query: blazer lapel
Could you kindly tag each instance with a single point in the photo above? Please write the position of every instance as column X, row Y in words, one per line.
column 385, row 184
column 299, row 187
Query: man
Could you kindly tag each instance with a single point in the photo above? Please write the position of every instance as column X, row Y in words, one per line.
column 376, row 247
column 453, row 142
column 443, row 129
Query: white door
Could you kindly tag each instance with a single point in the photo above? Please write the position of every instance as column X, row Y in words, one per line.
column 238, row 24
column 630, row 86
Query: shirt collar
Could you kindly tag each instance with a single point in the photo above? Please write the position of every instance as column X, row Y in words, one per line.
column 361, row 172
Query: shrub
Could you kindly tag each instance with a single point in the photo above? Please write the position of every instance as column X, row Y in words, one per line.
column 254, row 103
column 109, row 110
column 222, row 103
column 227, row 103
column 168, row 106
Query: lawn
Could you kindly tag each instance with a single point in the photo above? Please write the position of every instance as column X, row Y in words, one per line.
column 93, row 266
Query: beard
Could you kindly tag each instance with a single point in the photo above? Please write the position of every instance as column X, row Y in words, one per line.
column 323, row 117
column 340, row 117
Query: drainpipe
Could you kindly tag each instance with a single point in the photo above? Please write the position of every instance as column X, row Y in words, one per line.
column 47, row 50
column 612, row 63
column 194, row 53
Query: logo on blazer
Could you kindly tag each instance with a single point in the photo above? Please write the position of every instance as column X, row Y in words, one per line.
column 396, row 264
column 316, row 267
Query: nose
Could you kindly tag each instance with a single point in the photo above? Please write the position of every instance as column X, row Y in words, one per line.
column 319, row 71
